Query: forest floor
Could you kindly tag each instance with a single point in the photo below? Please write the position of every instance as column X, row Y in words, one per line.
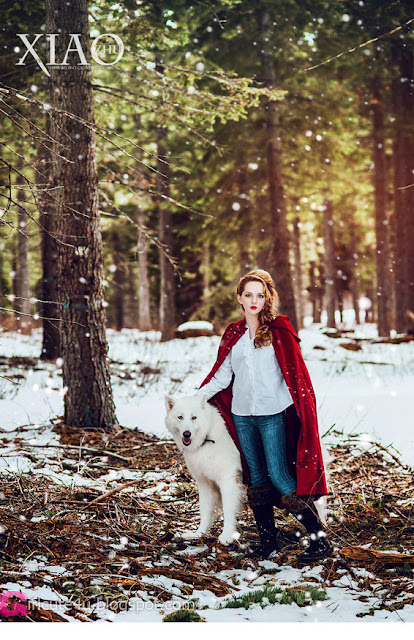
column 89, row 530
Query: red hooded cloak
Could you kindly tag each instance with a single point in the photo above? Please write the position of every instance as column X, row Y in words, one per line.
column 303, row 447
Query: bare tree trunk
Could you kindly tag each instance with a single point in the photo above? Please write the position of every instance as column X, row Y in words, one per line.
column 118, row 255
column 88, row 400
column 410, row 187
column 49, row 250
column 384, row 298
column 330, row 270
column 205, row 270
column 144, row 294
column 23, row 269
column 313, row 292
column 15, row 288
column 1, row 280
column 356, row 281
column 244, row 215
column 298, row 273
column 131, row 298
column 340, row 299
column 403, row 153
column 370, row 313
column 281, row 270
column 141, row 216
column 167, row 303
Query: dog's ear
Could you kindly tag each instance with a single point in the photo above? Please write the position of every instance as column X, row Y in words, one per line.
column 203, row 400
column 169, row 402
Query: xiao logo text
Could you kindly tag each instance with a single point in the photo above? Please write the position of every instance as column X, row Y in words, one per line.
column 98, row 48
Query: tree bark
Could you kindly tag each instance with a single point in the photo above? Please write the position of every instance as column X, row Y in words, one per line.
column 330, row 269
column 281, row 270
column 384, row 298
column 356, row 281
column 1, row 280
column 206, row 273
column 15, row 288
column 118, row 255
column 314, row 293
column 141, row 217
column 88, row 400
column 144, row 293
column 298, row 273
column 403, row 155
column 244, row 216
column 131, row 298
column 167, row 287
column 49, row 251
column 23, row 269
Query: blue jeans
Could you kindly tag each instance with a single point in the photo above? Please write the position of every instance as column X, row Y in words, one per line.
column 263, row 442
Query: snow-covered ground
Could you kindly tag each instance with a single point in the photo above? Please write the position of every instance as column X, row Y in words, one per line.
column 367, row 392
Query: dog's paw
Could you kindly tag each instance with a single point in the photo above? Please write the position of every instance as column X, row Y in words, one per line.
column 227, row 538
column 191, row 535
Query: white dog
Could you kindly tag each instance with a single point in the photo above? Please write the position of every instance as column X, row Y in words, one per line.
column 212, row 459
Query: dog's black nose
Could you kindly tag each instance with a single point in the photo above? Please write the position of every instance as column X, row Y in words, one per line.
column 187, row 434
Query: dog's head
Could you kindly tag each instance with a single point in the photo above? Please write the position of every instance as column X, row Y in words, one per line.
column 187, row 420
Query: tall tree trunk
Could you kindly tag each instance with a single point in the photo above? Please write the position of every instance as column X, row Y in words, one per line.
column 244, row 215
column 330, row 268
column 356, row 281
column 49, row 251
column 141, row 217
column 314, row 293
column 262, row 255
column 23, row 269
column 15, row 288
column 298, row 273
column 1, row 280
column 370, row 312
column 340, row 299
column 88, row 400
column 410, row 186
column 118, row 255
column 144, row 293
column 321, row 286
column 403, row 153
column 131, row 298
column 384, row 298
column 167, row 285
column 206, row 273
column 281, row 270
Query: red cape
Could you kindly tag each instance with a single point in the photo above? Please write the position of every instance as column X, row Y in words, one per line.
column 303, row 448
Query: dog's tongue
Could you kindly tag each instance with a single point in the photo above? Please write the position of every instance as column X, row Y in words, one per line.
column 186, row 441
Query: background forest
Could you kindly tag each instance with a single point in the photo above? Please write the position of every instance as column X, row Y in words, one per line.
column 152, row 152
column 203, row 140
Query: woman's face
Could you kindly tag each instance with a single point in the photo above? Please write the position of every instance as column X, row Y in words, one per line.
column 253, row 298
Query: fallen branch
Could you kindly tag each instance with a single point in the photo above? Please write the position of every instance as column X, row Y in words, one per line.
column 72, row 446
column 196, row 578
column 112, row 491
column 385, row 557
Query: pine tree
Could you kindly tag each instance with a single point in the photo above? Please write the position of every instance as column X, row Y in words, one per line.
column 88, row 399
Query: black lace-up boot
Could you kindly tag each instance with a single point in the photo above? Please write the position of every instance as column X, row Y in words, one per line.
column 306, row 513
column 261, row 499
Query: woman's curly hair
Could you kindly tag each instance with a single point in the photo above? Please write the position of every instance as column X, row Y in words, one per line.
column 270, row 310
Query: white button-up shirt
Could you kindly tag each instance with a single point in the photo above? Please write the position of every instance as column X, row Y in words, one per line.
column 259, row 387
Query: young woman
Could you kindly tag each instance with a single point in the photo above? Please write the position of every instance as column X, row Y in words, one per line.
column 261, row 386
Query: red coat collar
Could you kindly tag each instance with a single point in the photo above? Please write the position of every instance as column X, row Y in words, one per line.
column 280, row 322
